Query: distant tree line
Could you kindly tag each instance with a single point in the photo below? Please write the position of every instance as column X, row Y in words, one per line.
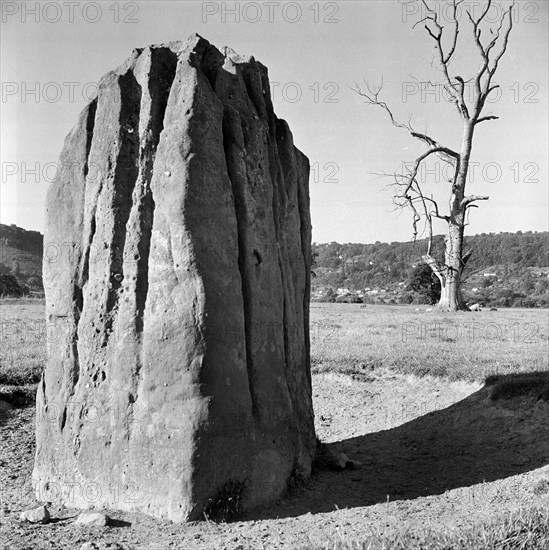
column 506, row 257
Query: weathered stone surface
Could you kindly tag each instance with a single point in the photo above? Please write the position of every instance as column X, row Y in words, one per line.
column 177, row 277
column 37, row 515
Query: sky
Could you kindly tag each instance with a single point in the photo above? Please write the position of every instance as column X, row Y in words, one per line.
column 52, row 54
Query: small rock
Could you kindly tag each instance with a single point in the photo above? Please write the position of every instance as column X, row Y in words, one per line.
column 89, row 546
column 92, row 519
column 36, row 515
column 338, row 461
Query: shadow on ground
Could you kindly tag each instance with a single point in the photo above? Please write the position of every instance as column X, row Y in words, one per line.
column 479, row 439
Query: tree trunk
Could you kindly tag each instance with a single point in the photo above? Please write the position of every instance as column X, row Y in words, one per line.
column 450, row 281
column 450, row 276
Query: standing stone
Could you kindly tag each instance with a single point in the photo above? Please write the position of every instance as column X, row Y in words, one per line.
column 177, row 273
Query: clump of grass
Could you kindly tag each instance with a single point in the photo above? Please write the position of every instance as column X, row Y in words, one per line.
column 297, row 479
column 541, row 486
column 515, row 385
column 227, row 505
column 18, row 396
column 20, row 375
column 526, row 529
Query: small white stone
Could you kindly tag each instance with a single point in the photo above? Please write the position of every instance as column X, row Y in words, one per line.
column 92, row 519
column 36, row 515
column 168, row 173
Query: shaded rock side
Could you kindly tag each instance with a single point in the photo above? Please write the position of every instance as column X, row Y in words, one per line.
column 177, row 302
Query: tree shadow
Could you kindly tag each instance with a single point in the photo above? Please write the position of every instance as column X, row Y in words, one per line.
column 487, row 436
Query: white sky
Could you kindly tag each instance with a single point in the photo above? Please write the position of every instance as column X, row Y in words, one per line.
column 314, row 51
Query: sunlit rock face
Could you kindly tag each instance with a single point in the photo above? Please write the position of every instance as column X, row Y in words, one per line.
column 179, row 296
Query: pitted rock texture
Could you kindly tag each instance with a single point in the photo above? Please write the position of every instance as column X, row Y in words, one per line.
column 179, row 293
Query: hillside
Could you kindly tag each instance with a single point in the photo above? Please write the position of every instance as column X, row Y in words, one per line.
column 505, row 269
column 21, row 255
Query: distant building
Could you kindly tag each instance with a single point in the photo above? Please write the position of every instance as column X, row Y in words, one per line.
column 343, row 292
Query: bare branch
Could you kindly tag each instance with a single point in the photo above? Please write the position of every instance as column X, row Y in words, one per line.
column 371, row 94
column 445, row 153
column 426, row 18
column 440, row 270
column 485, row 74
column 444, row 59
column 505, row 39
column 456, row 31
column 436, row 212
column 471, row 198
column 466, row 258
column 485, row 12
column 427, row 6
column 485, row 118
column 419, row 160
column 416, row 217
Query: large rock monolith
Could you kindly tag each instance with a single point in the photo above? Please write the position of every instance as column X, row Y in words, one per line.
column 177, row 272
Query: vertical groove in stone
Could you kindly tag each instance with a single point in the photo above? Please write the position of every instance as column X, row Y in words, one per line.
column 125, row 176
column 90, row 124
column 162, row 74
column 84, row 268
column 77, row 291
column 231, row 122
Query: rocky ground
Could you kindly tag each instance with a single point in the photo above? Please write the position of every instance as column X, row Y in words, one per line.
column 434, row 454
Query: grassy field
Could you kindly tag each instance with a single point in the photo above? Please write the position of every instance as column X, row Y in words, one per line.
column 23, row 341
column 350, row 338
column 356, row 339
column 367, row 343
column 522, row 530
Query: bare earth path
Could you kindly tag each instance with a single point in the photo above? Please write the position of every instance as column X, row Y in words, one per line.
column 434, row 453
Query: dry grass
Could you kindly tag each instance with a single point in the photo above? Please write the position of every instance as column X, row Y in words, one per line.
column 359, row 340
column 365, row 342
column 526, row 529
column 349, row 338
column 22, row 341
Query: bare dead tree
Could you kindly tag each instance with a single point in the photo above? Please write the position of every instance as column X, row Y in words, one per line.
column 408, row 190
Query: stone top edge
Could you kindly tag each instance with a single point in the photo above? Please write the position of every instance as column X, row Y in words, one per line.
column 194, row 42
column 181, row 47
